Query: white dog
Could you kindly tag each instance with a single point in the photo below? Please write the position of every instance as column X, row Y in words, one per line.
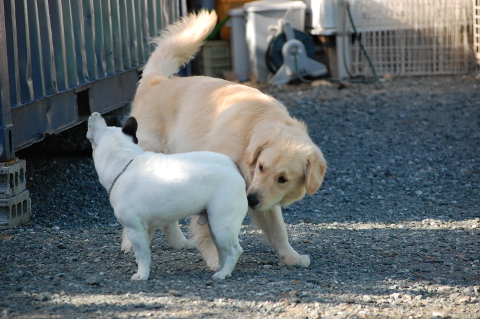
column 149, row 190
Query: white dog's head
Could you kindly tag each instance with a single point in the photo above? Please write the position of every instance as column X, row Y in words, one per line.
column 112, row 146
column 110, row 142
column 98, row 130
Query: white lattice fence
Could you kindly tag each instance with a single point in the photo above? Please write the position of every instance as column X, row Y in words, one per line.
column 476, row 28
column 416, row 37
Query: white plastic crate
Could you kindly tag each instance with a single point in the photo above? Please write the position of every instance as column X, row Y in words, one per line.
column 215, row 58
column 238, row 44
column 260, row 15
column 413, row 37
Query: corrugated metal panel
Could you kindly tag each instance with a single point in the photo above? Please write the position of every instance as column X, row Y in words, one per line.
column 7, row 150
column 55, row 46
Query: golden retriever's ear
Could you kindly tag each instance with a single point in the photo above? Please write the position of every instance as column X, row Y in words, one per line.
column 316, row 167
column 257, row 144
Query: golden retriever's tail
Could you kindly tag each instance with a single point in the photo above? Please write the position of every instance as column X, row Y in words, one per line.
column 179, row 43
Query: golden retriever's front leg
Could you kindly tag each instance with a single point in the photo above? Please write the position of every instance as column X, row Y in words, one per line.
column 273, row 226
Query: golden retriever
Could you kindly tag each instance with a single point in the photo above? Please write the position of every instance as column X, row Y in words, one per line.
column 273, row 151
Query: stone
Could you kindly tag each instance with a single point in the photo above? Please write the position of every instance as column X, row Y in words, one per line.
column 323, row 83
column 41, row 297
column 462, row 299
column 367, row 298
column 175, row 293
column 93, row 280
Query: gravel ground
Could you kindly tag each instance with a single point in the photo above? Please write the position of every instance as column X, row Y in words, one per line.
column 392, row 233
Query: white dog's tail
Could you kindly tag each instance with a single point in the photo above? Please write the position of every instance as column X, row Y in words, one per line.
column 179, row 43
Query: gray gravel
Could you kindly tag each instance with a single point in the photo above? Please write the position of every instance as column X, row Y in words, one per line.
column 392, row 233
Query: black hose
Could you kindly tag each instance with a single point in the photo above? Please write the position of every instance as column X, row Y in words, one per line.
column 375, row 77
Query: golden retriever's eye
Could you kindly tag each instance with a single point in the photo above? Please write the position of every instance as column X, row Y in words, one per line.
column 260, row 168
column 282, row 180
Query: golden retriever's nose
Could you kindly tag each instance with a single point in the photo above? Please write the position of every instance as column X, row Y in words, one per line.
column 252, row 200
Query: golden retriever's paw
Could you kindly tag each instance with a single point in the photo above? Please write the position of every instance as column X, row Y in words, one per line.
column 184, row 244
column 212, row 262
column 126, row 246
column 190, row 245
column 138, row 277
column 213, row 266
column 298, row 261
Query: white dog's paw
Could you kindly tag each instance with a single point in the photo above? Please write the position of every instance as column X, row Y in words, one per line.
column 220, row 276
column 303, row 261
column 299, row 260
column 137, row 277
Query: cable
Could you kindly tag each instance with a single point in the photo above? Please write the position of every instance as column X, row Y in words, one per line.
column 344, row 34
column 375, row 77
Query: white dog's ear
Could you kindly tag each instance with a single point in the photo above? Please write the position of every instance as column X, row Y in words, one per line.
column 130, row 128
column 316, row 167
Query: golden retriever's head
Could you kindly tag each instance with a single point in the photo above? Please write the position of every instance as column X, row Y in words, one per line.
column 283, row 165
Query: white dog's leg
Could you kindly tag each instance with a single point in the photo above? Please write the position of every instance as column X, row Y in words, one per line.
column 222, row 249
column 126, row 244
column 202, row 238
column 175, row 237
column 231, row 257
column 272, row 224
column 141, row 246
column 225, row 234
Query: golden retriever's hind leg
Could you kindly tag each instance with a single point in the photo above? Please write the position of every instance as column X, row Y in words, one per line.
column 272, row 224
column 175, row 237
column 126, row 244
column 201, row 236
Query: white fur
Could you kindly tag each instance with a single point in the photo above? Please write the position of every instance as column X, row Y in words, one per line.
column 156, row 190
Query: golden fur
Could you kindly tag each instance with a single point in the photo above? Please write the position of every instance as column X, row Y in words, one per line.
column 273, row 151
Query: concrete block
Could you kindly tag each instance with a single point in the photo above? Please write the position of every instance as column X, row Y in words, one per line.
column 12, row 178
column 15, row 210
